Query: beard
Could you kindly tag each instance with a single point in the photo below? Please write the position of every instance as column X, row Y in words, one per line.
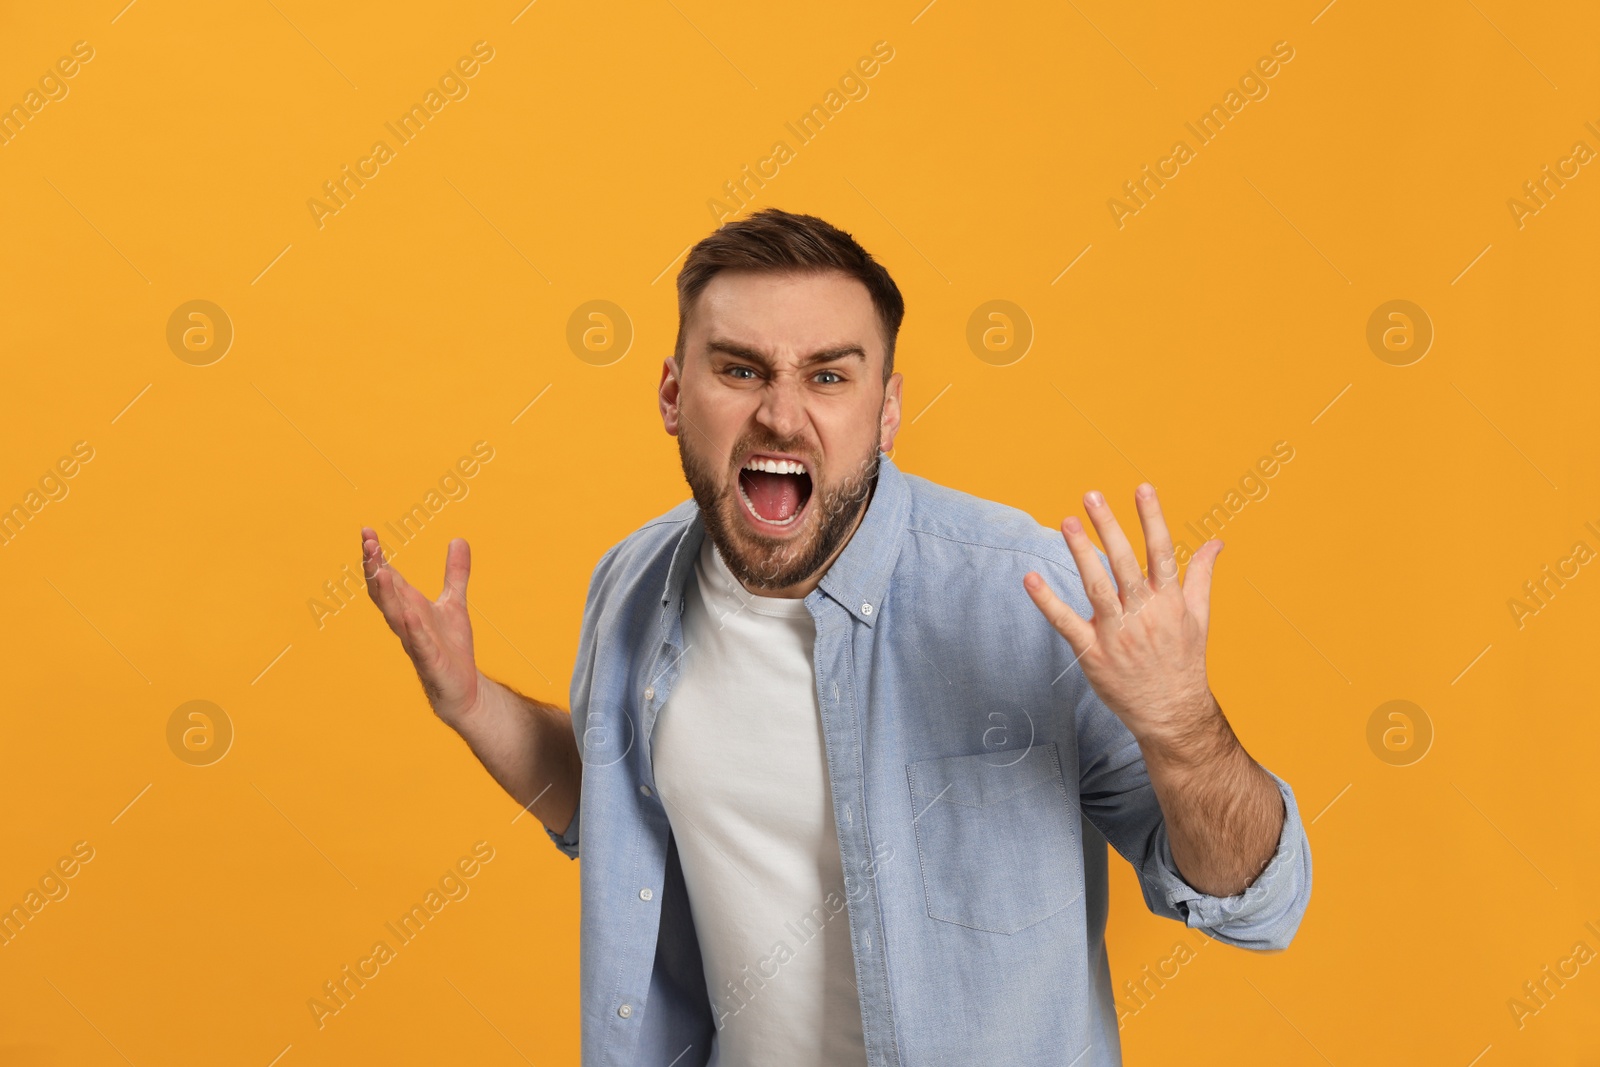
column 762, row 562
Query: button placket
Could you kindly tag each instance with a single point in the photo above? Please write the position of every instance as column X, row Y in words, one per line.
column 844, row 743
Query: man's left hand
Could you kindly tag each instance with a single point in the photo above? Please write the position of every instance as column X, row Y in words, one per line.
column 1144, row 649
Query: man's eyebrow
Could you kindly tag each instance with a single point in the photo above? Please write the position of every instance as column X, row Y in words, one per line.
column 822, row 355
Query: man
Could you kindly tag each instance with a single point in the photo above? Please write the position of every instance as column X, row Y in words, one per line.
column 845, row 797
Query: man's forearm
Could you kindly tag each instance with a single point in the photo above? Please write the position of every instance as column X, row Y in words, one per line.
column 1224, row 813
column 528, row 747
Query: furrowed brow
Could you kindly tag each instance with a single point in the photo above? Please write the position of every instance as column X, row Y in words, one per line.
column 828, row 355
column 825, row 355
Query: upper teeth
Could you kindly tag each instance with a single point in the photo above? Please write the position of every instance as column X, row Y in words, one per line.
column 775, row 466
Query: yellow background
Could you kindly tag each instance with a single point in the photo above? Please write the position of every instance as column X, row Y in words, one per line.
column 371, row 353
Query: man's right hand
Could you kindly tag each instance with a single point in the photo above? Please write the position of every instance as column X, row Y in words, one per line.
column 527, row 745
column 436, row 634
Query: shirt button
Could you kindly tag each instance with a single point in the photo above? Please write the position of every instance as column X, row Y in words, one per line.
column 866, row 609
column 650, row 693
column 625, row 1011
column 645, row 790
column 645, row 894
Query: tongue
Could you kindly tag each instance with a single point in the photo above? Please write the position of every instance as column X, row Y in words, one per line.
column 776, row 496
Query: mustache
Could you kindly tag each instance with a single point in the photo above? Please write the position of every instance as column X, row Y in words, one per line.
column 746, row 446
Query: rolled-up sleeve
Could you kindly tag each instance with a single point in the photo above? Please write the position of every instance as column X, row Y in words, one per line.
column 1265, row 915
column 1117, row 796
column 567, row 840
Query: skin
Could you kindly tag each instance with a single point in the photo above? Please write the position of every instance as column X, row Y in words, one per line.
column 1143, row 651
column 836, row 421
column 750, row 380
column 790, row 364
column 525, row 744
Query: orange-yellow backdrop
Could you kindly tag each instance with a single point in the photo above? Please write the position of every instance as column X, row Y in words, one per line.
column 1178, row 338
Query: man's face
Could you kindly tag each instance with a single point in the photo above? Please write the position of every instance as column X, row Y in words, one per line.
column 785, row 372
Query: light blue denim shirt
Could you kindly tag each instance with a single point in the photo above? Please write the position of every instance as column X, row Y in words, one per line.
column 976, row 779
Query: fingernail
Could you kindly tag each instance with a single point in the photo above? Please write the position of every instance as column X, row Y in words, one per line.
column 1093, row 498
column 1145, row 491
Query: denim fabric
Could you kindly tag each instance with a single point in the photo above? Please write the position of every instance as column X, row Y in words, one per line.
column 976, row 780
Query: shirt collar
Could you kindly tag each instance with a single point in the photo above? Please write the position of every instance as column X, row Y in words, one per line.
column 858, row 578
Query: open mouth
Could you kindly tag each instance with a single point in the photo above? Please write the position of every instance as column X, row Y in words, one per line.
column 774, row 491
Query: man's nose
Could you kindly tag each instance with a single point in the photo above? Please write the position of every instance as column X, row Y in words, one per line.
column 783, row 408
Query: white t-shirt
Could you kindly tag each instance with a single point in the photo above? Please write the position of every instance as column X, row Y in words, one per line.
column 740, row 766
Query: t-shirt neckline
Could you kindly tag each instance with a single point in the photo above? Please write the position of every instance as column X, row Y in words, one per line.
column 718, row 580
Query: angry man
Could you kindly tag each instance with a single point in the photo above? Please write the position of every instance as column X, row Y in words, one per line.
column 841, row 763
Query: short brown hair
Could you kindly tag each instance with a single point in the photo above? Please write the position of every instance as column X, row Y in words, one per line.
column 777, row 241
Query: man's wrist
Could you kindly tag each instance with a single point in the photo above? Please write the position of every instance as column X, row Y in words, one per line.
column 473, row 710
column 1188, row 742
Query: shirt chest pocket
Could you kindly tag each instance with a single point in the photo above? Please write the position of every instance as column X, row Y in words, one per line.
column 996, row 837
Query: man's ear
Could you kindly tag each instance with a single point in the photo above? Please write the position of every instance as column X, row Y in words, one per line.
column 891, row 413
column 668, row 395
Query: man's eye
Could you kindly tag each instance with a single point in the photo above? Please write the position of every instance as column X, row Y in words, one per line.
column 836, row 376
column 736, row 370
